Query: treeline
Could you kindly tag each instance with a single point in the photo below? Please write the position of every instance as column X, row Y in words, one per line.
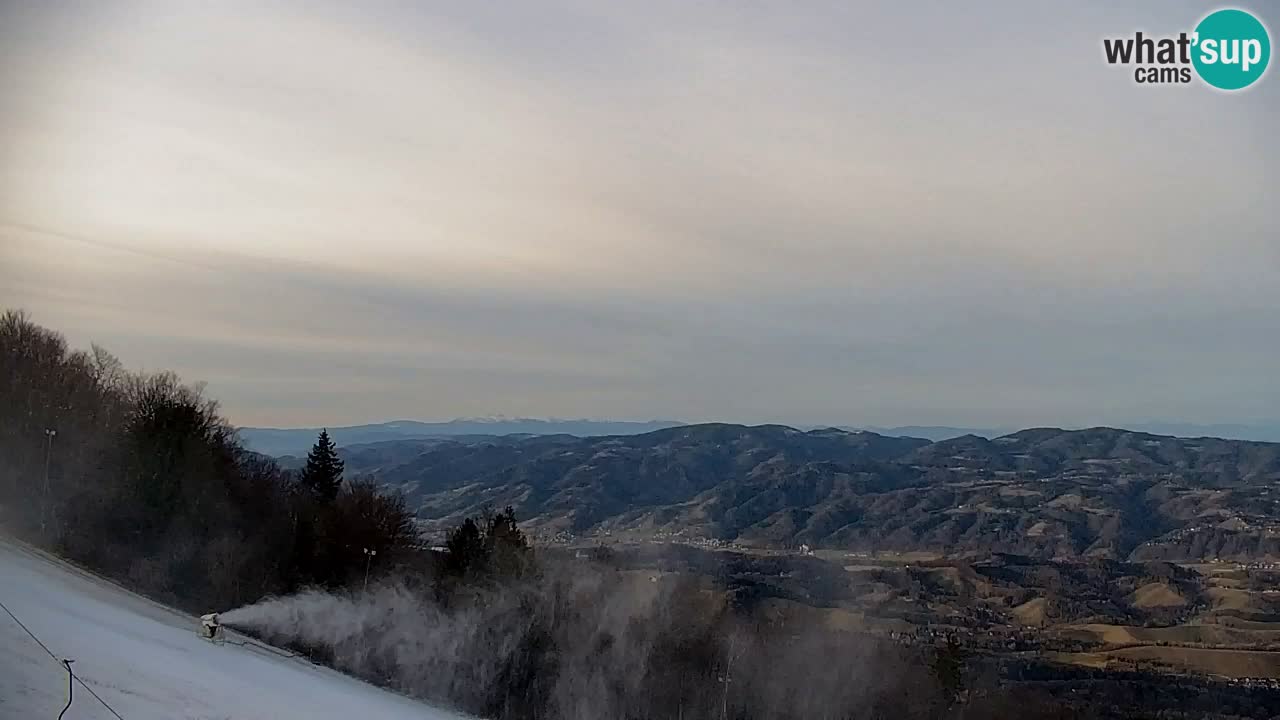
column 138, row 476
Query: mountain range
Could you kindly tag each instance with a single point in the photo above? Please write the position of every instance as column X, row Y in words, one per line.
column 1043, row 492
column 296, row 441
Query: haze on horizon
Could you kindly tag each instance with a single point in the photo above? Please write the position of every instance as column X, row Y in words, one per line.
column 878, row 214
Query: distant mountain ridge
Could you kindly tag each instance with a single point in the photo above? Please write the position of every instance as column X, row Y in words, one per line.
column 928, row 432
column 297, row 441
column 1042, row 492
column 1260, row 432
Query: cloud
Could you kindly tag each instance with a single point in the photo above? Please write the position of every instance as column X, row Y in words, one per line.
column 692, row 210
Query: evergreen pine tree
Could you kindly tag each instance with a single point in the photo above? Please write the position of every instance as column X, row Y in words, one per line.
column 323, row 475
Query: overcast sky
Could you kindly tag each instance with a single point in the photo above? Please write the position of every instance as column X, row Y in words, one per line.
column 881, row 213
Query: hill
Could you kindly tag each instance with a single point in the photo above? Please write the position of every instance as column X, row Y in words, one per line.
column 1042, row 492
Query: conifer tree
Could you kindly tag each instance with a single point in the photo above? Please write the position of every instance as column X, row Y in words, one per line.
column 323, row 474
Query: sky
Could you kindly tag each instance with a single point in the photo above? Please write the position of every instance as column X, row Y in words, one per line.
column 817, row 212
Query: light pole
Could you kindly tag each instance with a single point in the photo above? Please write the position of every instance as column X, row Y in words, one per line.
column 367, row 563
column 44, row 506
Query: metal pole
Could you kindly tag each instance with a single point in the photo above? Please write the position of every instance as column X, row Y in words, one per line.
column 367, row 563
column 71, row 687
column 44, row 506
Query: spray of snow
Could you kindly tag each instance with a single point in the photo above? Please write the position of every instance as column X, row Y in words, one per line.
column 394, row 636
column 402, row 638
column 582, row 643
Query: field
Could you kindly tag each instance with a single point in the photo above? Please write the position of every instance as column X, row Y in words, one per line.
column 1211, row 619
column 1213, row 634
column 1223, row 663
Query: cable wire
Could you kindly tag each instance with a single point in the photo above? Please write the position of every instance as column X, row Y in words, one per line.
column 28, row 631
column 65, row 663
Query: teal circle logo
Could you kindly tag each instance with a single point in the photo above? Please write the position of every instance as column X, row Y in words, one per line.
column 1231, row 49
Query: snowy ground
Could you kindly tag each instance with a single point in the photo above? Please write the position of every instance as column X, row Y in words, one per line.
column 148, row 663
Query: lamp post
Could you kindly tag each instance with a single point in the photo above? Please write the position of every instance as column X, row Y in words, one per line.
column 49, row 433
column 367, row 563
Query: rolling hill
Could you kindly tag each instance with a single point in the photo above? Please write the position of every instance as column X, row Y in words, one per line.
column 1041, row 492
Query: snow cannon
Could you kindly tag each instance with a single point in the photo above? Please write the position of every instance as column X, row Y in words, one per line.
column 210, row 628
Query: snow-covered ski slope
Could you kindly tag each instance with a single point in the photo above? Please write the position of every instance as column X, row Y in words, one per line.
column 147, row 662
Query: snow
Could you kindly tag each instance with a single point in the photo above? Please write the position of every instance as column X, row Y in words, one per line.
column 147, row 662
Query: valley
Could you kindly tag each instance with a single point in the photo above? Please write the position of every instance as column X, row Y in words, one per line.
column 1101, row 549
